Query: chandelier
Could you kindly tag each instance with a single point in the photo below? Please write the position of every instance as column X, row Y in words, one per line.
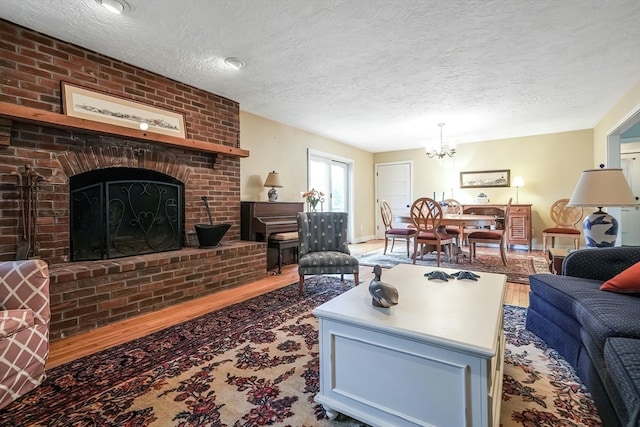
column 444, row 150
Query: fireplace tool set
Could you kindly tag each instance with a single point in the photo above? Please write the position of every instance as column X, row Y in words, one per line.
column 28, row 184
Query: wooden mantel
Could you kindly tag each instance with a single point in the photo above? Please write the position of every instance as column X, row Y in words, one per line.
column 41, row 117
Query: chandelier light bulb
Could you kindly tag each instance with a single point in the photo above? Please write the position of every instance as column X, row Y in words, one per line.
column 443, row 150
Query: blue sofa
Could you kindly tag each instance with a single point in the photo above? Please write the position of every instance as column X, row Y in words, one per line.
column 597, row 332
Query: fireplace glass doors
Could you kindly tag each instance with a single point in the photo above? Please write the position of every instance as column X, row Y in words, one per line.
column 119, row 212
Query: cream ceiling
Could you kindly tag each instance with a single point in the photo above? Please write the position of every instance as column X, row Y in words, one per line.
column 376, row 74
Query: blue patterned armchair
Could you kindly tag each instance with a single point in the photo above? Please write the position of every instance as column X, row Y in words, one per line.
column 323, row 245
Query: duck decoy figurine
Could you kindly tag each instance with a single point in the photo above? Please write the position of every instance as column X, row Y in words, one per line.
column 382, row 294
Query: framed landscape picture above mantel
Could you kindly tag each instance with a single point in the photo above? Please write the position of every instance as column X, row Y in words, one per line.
column 481, row 179
column 97, row 106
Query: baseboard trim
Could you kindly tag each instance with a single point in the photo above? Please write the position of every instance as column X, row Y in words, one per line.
column 363, row 239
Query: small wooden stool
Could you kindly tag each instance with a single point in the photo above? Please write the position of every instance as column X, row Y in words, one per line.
column 282, row 241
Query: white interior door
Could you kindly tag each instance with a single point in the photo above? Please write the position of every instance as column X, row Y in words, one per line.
column 393, row 184
column 630, row 216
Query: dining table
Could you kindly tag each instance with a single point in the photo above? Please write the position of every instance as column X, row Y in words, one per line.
column 458, row 220
column 468, row 220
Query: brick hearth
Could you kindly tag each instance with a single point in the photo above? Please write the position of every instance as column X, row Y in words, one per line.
column 85, row 295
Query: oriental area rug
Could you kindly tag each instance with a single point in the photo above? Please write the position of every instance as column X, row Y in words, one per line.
column 256, row 364
column 519, row 263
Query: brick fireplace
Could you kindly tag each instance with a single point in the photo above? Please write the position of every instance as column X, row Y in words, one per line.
column 88, row 294
column 122, row 211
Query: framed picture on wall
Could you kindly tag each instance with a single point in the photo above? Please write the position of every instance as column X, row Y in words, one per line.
column 482, row 179
column 97, row 106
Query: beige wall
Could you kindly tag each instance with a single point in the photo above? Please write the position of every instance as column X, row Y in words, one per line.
column 549, row 164
column 274, row 146
column 626, row 106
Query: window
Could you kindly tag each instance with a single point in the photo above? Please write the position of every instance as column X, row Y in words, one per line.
column 333, row 176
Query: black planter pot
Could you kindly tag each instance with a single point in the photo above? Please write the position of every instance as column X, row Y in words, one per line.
column 209, row 236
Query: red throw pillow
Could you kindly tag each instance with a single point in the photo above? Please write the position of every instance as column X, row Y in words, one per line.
column 627, row 281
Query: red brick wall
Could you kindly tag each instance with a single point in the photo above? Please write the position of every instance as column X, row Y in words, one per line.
column 32, row 66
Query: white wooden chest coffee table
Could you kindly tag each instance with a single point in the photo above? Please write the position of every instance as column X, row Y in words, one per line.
column 435, row 359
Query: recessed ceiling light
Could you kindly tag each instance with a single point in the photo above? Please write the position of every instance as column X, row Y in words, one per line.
column 114, row 6
column 234, row 63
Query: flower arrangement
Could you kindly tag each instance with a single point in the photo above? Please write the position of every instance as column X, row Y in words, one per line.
column 313, row 197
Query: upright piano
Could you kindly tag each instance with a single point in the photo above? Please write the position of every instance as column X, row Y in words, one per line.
column 260, row 219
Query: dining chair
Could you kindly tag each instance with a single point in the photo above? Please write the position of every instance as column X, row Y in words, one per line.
column 565, row 219
column 426, row 216
column 454, row 207
column 394, row 233
column 324, row 246
column 491, row 236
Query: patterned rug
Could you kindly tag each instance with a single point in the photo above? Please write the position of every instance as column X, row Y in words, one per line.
column 256, row 364
column 519, row 264
column 540, row 388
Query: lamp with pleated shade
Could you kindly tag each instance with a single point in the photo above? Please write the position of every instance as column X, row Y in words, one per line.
column 599, row 188
column 273, row 181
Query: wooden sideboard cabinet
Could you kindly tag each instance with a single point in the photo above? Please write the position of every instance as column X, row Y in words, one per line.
column 519, row 232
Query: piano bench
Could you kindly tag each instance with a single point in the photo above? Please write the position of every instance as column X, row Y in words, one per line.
column 282, row 241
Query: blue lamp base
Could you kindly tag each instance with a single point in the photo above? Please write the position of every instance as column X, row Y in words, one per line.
column 273, row 195
column 600, row 230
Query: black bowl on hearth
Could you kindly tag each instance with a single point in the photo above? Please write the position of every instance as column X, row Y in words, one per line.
column 209, row 236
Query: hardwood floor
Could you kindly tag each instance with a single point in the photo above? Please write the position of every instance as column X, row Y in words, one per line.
column 69, row 349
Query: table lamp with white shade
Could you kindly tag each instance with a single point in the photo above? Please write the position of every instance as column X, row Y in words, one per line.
column 601, row 188
column 517, row 182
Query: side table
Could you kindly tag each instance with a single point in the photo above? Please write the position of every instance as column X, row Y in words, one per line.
column 555, row 256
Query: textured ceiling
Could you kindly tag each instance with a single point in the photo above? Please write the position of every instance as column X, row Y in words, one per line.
column 376, row 74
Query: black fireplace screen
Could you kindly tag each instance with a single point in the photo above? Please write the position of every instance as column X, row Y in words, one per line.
column 113, row 217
